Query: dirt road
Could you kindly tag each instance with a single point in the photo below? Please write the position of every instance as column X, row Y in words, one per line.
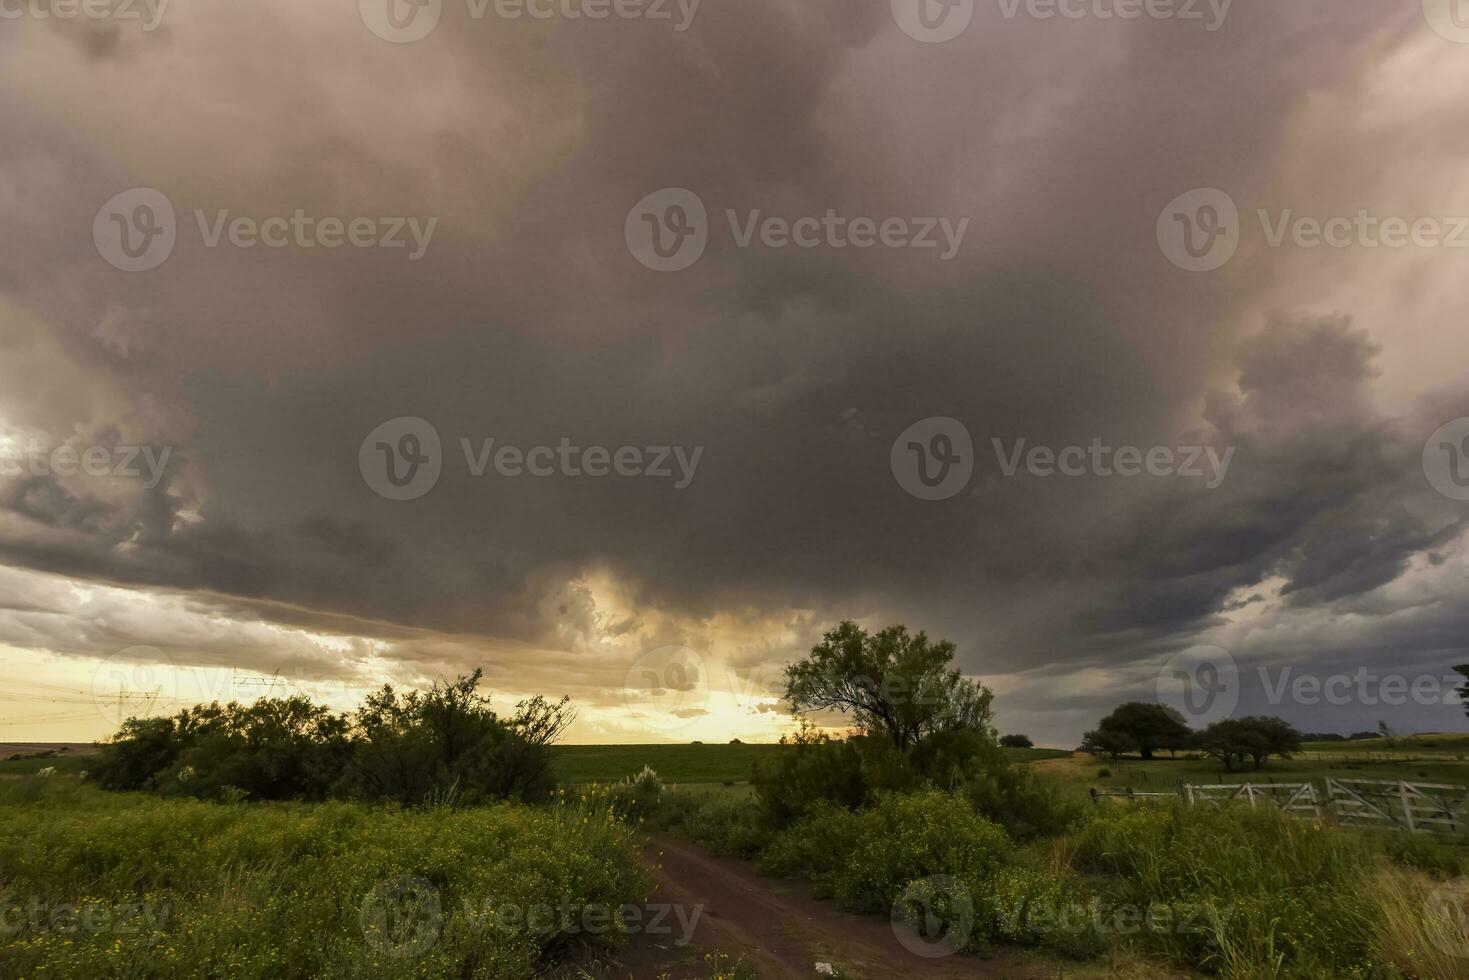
column 782, row 932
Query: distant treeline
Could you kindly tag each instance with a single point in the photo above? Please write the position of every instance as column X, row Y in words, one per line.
column 445, row 745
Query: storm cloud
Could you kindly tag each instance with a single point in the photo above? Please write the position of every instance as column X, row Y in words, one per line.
column 528, row 320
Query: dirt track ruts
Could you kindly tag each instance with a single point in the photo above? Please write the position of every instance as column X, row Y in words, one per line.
column 781, row 931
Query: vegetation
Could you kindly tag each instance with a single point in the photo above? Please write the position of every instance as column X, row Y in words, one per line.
column 446, row 745
column 1255, row 738
column 181, row 887
column 1144, row 728
column 408, row 837
column 894, row 684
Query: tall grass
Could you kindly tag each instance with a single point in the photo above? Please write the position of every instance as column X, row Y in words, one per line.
column 298, row 890
column 1268, row 896
column 1422, row 928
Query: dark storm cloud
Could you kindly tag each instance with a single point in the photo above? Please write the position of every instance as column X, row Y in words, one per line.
column 528, row 321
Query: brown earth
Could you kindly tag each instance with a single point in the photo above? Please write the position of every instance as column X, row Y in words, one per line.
column 776, row 928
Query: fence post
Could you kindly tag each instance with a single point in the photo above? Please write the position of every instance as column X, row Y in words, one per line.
column 1407, row 808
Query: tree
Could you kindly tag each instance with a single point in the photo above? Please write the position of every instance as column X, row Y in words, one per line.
column 1275, row 737
column 892, row 683
column 1463, row 689
column 1016, row 742
column 1150, row 726
column 1108, row 742
column 1229, row 741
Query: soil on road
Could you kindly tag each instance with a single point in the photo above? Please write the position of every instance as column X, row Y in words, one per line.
column 776, row 927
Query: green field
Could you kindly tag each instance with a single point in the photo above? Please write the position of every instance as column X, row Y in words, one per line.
column 1428, row 758
column 34, row 764
column 689, row 763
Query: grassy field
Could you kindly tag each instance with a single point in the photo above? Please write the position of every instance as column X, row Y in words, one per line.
column 690, row 764
column 101, row 884
column 1430, row 758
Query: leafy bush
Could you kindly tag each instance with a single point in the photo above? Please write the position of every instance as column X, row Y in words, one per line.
column 725, row 826
column 1027, row 805
column 812, row 768
column 1032, row 907
column 866, row 858
column 442, row 747
column 303, row 890
column 1273, row 896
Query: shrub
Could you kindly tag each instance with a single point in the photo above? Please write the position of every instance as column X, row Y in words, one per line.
column 1276, row 896
column 810, row 768
column 866, row 858
column 442, row 747
column 728, row 827
column 1027, row 805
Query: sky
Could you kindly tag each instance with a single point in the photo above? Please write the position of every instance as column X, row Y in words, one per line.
column 621, row 349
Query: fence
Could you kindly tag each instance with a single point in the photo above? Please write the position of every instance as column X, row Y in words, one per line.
column 1423, row 808
column 1297, row 799
column 1416, row 807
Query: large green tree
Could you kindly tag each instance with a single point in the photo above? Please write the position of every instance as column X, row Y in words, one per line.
column 1151, row 726
column 892, row 683
column 1254, row 737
